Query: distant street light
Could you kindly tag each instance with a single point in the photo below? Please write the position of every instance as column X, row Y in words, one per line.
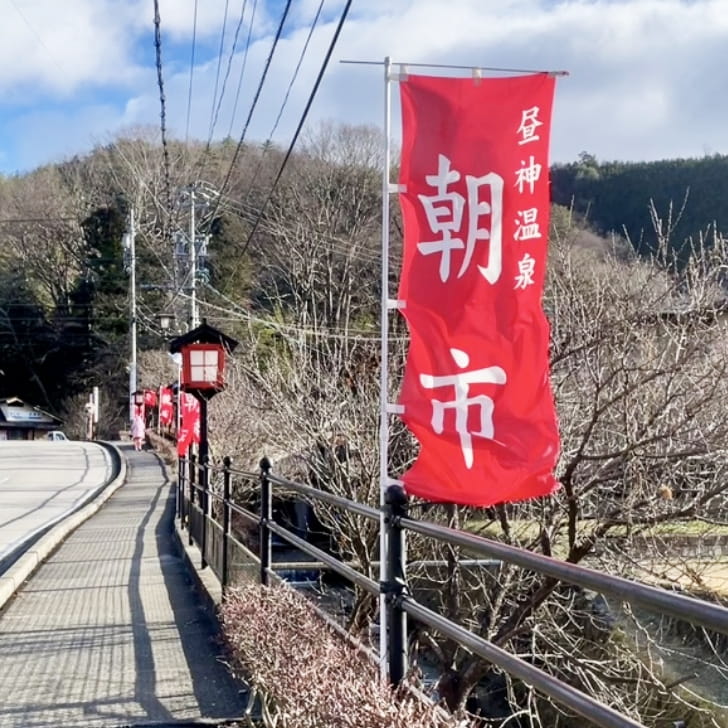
column 166, row 320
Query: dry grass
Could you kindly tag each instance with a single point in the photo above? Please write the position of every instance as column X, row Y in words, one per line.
column 306, row 675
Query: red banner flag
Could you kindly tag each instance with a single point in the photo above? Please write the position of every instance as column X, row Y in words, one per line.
column 475, row 205
column 166, row 409
column 150, row 398
column 189, row 431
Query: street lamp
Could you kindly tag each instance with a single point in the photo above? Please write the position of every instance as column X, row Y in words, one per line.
column 137, row 399
column 203, row 352
column 166, row 320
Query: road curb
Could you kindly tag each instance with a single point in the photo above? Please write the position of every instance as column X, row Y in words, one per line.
column 19, row 572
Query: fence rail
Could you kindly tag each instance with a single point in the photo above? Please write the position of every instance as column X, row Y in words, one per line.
column 197, row 503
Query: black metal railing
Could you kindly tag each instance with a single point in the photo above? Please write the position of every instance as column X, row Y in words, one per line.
column 206, row 509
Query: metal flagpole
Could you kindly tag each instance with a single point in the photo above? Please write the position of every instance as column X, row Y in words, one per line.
column 480, row 69
column 384, row 575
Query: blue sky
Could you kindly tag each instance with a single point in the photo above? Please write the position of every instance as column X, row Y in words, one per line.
column 647, row 78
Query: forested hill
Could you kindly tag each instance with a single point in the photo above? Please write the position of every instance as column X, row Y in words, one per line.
column 616, row 196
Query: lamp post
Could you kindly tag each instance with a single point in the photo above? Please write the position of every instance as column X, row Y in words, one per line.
column 137, row 398
column 202, row 374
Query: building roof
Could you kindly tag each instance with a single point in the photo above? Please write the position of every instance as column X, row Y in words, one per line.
column 203, row 334
column 14, row 412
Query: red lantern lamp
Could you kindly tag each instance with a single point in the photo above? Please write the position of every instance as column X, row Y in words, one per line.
column 203, row 353
column 203, row 366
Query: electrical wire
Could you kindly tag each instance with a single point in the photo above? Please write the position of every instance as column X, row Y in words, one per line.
column 335, row 244
column 324, row 65
column 288, row 90
column 240, row 314
column 217, row 73
column 31, row 27
column 162, row 103
column 201, row 159
column 242, row 68
column 25, row 220
column 239, row 146
column 233, row 48
column 192, row 73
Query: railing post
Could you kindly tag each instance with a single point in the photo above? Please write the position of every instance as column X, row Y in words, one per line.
column 395, row 500
column 191, row 470
column 204, row 504
column 178, row 493
column 226, row 462
column 266, row 515
column 179, row 505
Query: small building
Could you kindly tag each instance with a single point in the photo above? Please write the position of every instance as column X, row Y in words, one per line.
column 22, row 421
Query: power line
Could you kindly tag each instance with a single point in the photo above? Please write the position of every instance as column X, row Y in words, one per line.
column 229, row 66
column 240, row 314
column 30, row 27
column 242, row 68
column 279, row 32
column 201, row 157
column 344, row 13
column 290, row 86
column 335, row 244
column 213, row 114
column 16, row 220
column 162, row 103
column 192, row 72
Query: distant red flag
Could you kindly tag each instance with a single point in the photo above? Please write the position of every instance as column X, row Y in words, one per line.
column 166, row 409
column 189, row 431
column 150, row 398
column 476, row 391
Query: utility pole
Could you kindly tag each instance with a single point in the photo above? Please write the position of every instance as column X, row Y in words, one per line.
column 194, row 317
column 129, row 244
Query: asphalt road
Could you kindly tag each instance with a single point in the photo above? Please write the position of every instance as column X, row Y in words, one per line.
column 41, row 483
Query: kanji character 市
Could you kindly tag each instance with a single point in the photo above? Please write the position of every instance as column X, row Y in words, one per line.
column 461, row 403
column 529, row 124
column 444, row 212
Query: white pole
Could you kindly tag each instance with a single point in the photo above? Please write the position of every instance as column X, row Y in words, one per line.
column 194, row 321
column 132, row 299
column 384, row 377
column 90, row 418
column 95, row 412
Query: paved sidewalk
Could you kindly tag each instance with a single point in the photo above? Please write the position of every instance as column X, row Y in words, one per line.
column 108, row 631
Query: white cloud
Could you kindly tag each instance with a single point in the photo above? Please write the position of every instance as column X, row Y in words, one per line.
column 53, row 48
column 645, row 81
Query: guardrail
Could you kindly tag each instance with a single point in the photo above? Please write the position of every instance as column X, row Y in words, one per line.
column 197, row 501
